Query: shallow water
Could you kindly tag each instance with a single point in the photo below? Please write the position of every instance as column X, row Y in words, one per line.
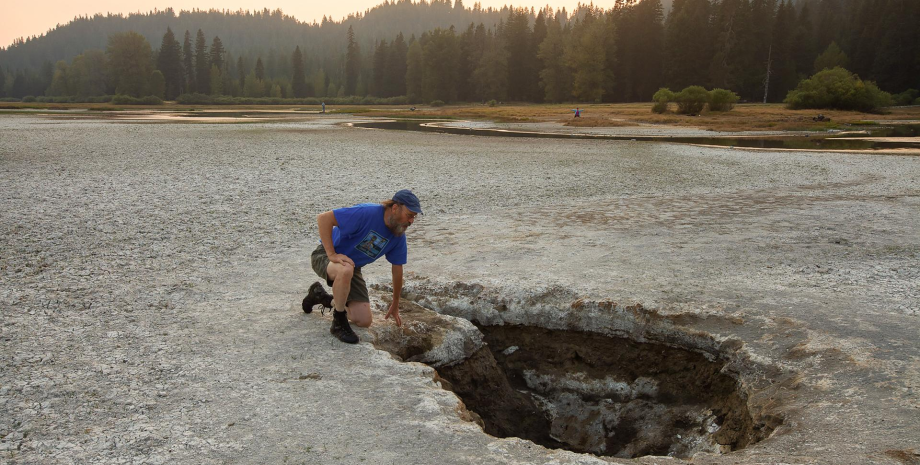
column 802, row 142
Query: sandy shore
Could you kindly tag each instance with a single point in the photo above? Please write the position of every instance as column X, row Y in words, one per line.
column 151, row 278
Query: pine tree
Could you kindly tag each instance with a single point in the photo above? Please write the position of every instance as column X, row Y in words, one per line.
column 536, row 38
column 169, row 62
column 491, row 74
column 352, row 63
column 647, row 59
column 381, row 55
column 689, row 47
column 554, row 77
column 896, row 66
column 586, row 59
column 784, row 77
column 440, row 66
column 299, row 79
column 521, row 58
column 202, row 65
column 260, row 70
column 865, row 33
column 241, row 71
column 831, row 58
column 465, row 86
column 804, row 40
column 415, row 66
column 395, row 80
column 188, row 64
column 216, row 82
column 216, row 54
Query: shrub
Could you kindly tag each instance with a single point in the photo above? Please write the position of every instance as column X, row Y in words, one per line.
column 9, row 99
column 838, row 89
column 194, row 98
column 907, row 97
column 660, row 107
column 437, row 103
column 663, row 95
column 129, row 100
column 662, row 98
column 28, row 99
column 722, row 100
column 692, row 100
column 492, row 103
column 98, row 99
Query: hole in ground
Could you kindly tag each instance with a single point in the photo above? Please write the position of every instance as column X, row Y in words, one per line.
column 591, row 393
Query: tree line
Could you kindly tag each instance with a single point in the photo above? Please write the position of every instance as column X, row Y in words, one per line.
column 760, row 49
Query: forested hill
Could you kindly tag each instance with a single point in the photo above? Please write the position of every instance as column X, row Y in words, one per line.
column 440, row 50
column 247, row 32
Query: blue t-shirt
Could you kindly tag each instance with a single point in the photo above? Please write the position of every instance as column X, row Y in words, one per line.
column 364, row 237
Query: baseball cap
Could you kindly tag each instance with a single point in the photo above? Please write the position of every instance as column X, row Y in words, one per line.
column 407, row 198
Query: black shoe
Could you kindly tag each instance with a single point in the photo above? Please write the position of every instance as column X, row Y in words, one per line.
column 341, row 329
column 316, row 296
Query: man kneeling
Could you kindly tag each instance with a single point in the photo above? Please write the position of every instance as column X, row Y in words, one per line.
column 349, row 239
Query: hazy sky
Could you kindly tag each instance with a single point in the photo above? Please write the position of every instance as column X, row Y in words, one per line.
column 25, row 18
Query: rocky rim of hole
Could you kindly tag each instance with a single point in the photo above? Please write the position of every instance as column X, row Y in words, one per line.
column 591, row 376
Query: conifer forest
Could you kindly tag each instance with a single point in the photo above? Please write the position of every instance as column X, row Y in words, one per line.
column 419, row 52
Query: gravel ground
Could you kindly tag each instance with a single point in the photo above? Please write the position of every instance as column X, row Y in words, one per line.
column 151, row 275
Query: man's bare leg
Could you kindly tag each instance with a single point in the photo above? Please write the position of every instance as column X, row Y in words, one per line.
column 360, row 313
column 341, row 283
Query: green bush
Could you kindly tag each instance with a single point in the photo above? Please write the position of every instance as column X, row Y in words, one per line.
column 73, row 99
column 838, row 89
column 917, row 102
column 492, row 103
column 28, row 99
column 437, row 103
column 907, row 97
column 692, row 100
column 129, row 100
column 10, row 99
column 662, row 98
column 56, row 99
column 660, row 107
column 98, row 99
column 722, row 100
column 664, row 95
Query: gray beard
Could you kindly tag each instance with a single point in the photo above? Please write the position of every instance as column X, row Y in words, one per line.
column 399, row 229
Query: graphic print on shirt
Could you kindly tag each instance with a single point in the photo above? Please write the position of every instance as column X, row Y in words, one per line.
column 372, row 244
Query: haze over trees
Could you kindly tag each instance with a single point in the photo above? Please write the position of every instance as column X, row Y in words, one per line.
column 442, row 50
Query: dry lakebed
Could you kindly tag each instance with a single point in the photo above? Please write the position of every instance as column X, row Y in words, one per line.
column 566, row 301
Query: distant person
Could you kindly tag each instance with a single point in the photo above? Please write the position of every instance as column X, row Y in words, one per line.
column 349, row 239
column 577, row 112
column 324, row 107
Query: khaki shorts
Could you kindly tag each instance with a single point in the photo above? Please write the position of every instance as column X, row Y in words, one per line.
column 320, row 262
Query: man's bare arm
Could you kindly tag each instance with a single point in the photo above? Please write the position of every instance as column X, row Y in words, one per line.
column 397, row 291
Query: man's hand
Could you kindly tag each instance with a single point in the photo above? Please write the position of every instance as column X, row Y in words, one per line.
column 394, row 312
column 341, row 259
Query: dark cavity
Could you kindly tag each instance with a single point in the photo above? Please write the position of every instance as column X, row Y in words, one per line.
column 595, row 394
